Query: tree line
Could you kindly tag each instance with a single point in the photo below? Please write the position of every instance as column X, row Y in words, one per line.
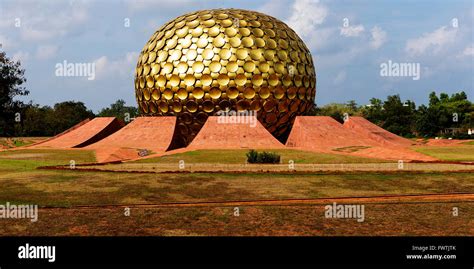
column 444, row 116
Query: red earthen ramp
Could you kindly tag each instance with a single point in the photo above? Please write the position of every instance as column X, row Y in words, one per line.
column 367, row 128
column 324, row 134
column 153, row 134
column 82, row 134
column 234, row 132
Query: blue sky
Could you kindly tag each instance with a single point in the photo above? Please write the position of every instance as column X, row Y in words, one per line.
column 349, row 41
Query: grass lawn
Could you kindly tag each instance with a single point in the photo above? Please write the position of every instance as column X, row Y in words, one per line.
column 463, row 152
column 239, row 156
column 380, row 220
column 22, row 183
column 12, row 142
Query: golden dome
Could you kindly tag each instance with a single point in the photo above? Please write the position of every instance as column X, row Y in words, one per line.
column 215, row 60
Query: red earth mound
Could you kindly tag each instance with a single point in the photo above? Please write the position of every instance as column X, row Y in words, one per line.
column 82, row 134
column 153, row 134
column 234, row 132
column 367, row 128
column 324, row 134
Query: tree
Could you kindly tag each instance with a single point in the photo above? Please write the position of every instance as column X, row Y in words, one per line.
column 399, row 118
column 11, row 81
column 119, row 110
column 36, row 121
column 374, row 111
column 68, row 114
column 444, row 113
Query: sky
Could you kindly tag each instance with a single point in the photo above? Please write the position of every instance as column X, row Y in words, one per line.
column 351, row 41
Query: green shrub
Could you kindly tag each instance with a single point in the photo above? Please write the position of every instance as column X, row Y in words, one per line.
column 263, row 157
column 252, row 156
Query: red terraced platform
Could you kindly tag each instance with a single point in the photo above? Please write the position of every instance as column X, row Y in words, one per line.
column 82, row 134
column 367, row 128
column 153, row 134
column 243, row 132
column 324, row 134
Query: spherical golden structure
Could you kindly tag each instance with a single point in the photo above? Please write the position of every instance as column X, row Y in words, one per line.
column 215, row 60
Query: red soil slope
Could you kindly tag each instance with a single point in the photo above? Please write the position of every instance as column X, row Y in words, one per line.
column 153, row 134
column 324, row 134
column 82, row 134
column 236, row 133
column 367, row 128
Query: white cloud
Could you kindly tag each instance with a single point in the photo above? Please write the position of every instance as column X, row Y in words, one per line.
column 140, row 5
column 44, row 20
column 379, row 37
column 6, row 43
column 123, row 67
column 306, row 16
column 352, row 31
column 275, row 8
column 340, row 77
column 21, row 56
column 46, row 52
column 434, row 41
column 469, row 50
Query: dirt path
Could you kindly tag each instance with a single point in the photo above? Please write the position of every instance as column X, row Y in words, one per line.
column 385, row 199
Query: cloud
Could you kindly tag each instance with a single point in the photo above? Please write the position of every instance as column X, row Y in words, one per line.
column 140, row 5
column 123, row 67
column 340, row 77
column 21, row 56
column 352, row 31
column 42, row 20
column 306, row 16
column 46, row 52
column 433, row 41
column 6, row 42
column 469, row 50
column 379, row 37
column 275, row 8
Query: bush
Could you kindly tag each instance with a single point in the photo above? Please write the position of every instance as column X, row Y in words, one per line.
column 264, row 157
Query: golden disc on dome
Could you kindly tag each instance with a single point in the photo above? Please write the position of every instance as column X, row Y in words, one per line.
column 191, row 55
column 249, row 66
column 198, row 93
column 215, row 67
column 247, row 42
column 232, row 66
column 182, row 94
column 174, row 80
column 214, row 31
column 189, row 80
column 208, row 106
column 225, row 54
column 249, row 93
column 240, row 79
column 206, row 80
column 198, row 67
column 242, row 54
column 232, row 92
column 207, row 54
column 215, row 93
column 182, row 67
column 218, row 42
column 235, row 42
column 223, row 79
